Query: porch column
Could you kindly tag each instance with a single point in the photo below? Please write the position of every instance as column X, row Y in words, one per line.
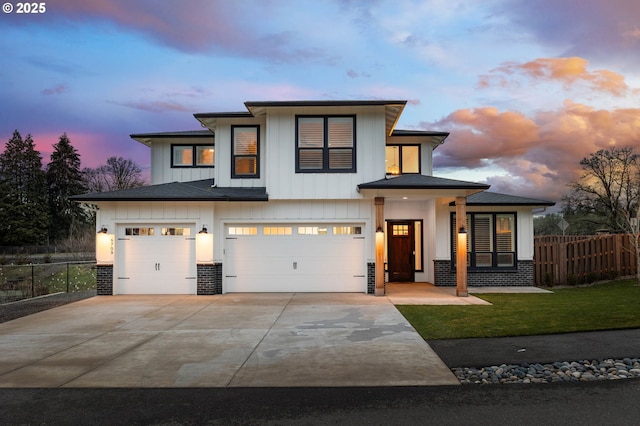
column 461, row 247
column 379, row 203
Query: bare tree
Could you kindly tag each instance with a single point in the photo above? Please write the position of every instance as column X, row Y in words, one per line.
column 118, row 173
column 609, row 189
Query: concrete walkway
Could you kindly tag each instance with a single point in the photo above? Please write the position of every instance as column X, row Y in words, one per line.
column 232, row 340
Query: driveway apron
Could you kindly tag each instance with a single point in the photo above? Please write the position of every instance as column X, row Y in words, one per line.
column 231, row 340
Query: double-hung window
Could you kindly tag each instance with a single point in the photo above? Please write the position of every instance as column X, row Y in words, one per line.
column 491, row 240
column 192, row 156
column 325, row 144
column 245, row 154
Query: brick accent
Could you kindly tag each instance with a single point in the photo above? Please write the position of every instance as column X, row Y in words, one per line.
column 445, row 275
column 209, row 279
column 104, row 280
column 371, row 278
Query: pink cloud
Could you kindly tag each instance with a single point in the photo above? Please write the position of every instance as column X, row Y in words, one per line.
column 540, row 154
column 568, row 71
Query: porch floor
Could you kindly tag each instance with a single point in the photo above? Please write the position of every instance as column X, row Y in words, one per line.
column 428, row 294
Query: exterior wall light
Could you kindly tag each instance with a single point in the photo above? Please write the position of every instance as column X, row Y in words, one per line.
column 204, row 247
column 105, row 247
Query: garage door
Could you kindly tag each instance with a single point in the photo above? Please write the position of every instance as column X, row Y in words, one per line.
column 294, row 258
column 156, row 259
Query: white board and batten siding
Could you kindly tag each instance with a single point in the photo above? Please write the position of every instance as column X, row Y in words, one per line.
column 282, row 180
column 161, row 170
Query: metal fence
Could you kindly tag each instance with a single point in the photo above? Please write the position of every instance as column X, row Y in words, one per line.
column 19, row 282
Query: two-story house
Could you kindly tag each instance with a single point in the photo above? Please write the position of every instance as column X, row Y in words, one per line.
column 306, row 196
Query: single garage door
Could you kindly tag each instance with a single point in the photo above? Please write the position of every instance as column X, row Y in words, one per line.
column 156, row 259
column 294, row 258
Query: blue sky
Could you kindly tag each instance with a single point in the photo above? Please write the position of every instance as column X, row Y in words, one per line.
column 526, row 88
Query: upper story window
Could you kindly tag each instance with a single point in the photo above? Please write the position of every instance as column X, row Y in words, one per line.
column 402, row 159
column 245, row 151
column 491, row 240
column 325, row 144
column 192, row 156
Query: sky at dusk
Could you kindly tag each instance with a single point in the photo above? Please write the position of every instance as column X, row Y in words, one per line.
column 526, row 88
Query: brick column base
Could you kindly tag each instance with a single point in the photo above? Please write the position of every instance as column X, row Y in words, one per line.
column 104, row 280
column 209, row 279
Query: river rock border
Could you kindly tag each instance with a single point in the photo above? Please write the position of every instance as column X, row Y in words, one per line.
column 567, row 371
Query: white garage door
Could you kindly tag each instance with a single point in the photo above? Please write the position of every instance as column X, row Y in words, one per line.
column 294, row 258
column 156, row 259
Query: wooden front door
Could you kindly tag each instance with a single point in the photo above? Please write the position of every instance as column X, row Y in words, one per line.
column 401, row 251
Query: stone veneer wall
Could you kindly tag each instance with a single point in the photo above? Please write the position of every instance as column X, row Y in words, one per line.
column 104, row 280
column 445, row 275
column 209, row 279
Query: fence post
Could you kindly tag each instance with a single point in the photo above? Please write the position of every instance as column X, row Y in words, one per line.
column 67, row 277
column 33, row 281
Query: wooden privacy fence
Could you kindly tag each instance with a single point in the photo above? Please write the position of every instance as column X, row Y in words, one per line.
column 574, row 259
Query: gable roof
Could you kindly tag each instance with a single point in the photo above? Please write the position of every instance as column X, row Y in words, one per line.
column 417, row 181
column 199, row 190
column 495, row 199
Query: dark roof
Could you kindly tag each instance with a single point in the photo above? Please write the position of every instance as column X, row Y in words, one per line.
column 147, row 138
column 494, row 199
column 183, row 134
column 398, row 132
column 416, row 181
column 200, row 190
column 232, row 114
column 369, row 102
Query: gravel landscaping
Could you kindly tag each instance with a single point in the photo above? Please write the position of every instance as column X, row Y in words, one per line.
column 567, row 371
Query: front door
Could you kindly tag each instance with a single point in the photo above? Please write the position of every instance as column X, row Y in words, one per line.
column 401, row 251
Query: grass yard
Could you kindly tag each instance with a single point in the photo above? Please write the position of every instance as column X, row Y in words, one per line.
column 613, row 305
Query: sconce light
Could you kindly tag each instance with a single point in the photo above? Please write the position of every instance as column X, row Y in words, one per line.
column 462, row 230
column 203, row 230
column 103, row 230
column 379, row 230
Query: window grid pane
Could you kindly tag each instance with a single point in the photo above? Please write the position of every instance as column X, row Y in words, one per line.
column 310, row 132
column 205, row 155
column 183, row 156
column 311, row 159
column 340, row 158
column 340, row 132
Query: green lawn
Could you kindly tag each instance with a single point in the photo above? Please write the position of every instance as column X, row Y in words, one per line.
column 613, row 305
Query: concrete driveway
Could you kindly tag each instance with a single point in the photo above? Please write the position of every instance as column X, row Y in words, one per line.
column 232, row 340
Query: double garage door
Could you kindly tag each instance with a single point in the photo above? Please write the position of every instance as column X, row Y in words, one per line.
column 294, row 258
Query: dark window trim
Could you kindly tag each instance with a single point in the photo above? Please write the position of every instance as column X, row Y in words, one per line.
column 325, row 148
column 194, row 154
column 233, row 156
column 400, row 157
column 472, row 253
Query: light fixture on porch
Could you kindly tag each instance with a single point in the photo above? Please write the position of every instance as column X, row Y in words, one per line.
column 379, row 230
column 103, row 230
column 203, row 230
column 462, row 230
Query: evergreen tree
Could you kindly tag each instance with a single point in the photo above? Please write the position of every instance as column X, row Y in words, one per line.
column 23, row 205
column 64, row 179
